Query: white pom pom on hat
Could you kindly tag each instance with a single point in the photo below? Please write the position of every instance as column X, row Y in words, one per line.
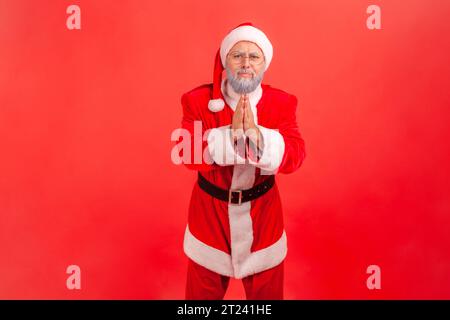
column 216, row 105
column 244, row 32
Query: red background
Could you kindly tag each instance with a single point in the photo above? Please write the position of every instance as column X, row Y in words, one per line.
column 86, row 116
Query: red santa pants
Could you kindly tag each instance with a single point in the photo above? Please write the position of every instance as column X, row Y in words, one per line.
column 204, row 284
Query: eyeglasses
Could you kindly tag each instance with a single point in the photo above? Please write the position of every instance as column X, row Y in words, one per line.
column 237, row 57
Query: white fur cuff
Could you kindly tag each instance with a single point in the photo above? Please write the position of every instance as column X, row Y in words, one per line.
column 272, row 153
column 221, row 148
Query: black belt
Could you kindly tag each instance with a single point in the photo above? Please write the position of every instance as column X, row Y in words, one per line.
column 236, row 196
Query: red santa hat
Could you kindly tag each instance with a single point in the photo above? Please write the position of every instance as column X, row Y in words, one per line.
column 243, row 32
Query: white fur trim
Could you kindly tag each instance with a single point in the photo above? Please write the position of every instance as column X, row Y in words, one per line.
column 241, row 224
column 246, row 33
column 216, row 105
column 221, row 262
column 221, row 148
column 263, row 259
column 207, row 256
column 272, row 153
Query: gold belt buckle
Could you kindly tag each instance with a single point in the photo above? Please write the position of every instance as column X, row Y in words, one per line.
column 230, row 197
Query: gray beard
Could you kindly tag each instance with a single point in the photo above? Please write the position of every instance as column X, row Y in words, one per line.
column 243, row 85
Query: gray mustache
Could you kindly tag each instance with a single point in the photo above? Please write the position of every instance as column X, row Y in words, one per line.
column 245, row 72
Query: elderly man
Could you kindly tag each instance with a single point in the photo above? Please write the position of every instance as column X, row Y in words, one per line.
column 235, row 223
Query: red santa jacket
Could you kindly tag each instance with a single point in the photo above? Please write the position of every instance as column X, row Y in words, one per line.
column 239, row 240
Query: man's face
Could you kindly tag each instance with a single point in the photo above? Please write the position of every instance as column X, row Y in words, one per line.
column 245, row 66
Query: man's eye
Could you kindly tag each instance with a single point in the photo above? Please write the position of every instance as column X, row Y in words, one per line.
column 237, row 56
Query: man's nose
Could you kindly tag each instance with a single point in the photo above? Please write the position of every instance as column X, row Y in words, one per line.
column 246, row 62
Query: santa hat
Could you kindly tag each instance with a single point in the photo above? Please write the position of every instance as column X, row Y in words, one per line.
column 243, row 32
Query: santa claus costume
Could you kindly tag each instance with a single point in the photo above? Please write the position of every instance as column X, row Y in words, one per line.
column 242, row 234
